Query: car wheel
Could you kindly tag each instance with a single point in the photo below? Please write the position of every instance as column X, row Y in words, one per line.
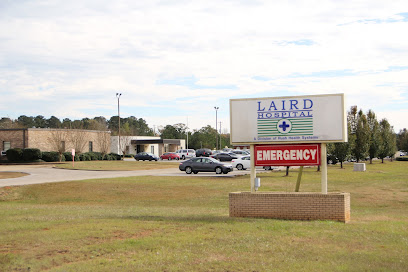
column 183, row 157
column 218, row 170
column 240, row 167
column 267, row 168
column 189, row 170
column 137, row 159
column 169, row 158
column 177, row 158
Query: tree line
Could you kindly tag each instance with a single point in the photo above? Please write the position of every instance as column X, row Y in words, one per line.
column 129, row 125
column 368, row 138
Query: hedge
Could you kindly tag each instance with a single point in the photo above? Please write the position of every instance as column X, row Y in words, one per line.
column 404, row 158
column 14, row 154
column 31, row 154
column 68, row 156
column 52, row 156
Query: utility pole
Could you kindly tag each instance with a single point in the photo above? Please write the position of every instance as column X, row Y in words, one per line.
column 220, row 136
column 216, row 127
column 118, row 97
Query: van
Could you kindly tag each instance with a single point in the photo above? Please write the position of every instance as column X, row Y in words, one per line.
column 186, row 153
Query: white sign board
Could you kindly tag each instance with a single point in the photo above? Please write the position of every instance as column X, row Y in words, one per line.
column 296, row 119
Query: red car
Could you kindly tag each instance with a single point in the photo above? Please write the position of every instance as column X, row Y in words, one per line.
column 170, row 156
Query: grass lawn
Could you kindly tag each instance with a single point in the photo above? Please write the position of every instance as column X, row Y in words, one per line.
column 182, row 224
column 6, row 175
column 118, row 165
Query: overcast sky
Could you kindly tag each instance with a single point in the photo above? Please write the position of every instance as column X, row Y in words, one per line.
column 174, row 60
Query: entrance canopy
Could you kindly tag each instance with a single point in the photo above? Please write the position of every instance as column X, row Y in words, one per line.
column 156, row 141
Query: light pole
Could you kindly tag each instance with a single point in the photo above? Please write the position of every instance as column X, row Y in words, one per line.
column 216, row 127
column 118, row 97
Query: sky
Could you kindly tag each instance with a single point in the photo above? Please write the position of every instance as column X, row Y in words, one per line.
column 173, row 61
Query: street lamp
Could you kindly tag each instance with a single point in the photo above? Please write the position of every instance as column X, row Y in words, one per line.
column 216, row 127
column 118, row 96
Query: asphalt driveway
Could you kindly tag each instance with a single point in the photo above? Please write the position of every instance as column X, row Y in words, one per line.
column 38, row 174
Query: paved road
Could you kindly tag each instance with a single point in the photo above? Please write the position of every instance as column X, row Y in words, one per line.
column 45, row 173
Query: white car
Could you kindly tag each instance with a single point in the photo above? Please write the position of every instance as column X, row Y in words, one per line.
column 244, row 162
column 186, row 153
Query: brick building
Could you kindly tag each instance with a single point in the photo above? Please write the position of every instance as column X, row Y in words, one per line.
column 54, row 139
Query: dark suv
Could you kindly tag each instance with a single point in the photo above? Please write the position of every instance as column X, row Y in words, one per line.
column 203, row 152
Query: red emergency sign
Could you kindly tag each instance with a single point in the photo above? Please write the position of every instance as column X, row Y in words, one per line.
column 287, row 155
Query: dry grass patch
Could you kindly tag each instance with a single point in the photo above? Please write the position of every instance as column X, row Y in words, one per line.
column 6, row 175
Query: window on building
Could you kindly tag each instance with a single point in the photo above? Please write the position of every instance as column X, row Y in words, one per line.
column 152, row 149
column 90, row 146
column 6, row 146
column 63, row 145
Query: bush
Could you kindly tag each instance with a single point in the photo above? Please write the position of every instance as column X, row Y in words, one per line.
column 84, row 157
column 31, row 154
column 107, row 157
column 405, row 158
column 14, row 154
column 95, row 156
column 51, row 156
column 68, row 156
column 115, row 156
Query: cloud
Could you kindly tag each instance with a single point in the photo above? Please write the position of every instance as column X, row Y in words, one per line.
column 172, row 59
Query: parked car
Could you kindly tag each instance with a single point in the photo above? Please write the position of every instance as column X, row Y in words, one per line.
column 186, row 153
column 145, row 156
column 202, row 164
column 170, row 156
column 242, row 163
column 225, row 156
column 203, row 152
column 240, row 152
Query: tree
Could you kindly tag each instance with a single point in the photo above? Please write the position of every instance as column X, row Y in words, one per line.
column 25, row 121
column 57, row 140
column 374, row 135
column 6, row 122
column 53, row 122
column 176, row 131
column 362, row 136
column 387, row 140
column 341, row 151
column 103, row 141
column 40, row 122
column 402, row 140
column 77, row 138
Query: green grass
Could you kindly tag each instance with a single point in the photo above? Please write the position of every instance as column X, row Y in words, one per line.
column 182, row 224
column 118, row 165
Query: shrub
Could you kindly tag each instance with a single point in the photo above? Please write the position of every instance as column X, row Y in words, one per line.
column 51, row 156
column 14, row 154
column 84, row 157
column 68, row 156
column 31, row 154
column 95, row 156
column 115, row 156
column 405, row 158
column 107, row 157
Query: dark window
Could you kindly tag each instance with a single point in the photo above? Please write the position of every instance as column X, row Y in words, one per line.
column 90, row 146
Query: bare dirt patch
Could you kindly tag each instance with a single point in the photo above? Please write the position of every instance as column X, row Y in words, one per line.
column 7, row 175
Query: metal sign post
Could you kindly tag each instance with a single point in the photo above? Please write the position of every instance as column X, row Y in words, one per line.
column 323, row 164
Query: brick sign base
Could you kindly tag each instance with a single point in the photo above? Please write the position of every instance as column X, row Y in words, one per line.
column 291, row 206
